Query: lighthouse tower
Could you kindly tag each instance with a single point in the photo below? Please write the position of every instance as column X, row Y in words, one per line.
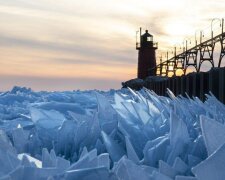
column 146, row 55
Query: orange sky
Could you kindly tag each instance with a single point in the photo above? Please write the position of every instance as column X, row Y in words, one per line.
column 65, row 45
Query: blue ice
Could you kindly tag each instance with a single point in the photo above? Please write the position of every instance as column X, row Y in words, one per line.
column 119, row 134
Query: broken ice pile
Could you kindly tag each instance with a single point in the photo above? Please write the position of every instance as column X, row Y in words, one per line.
column 111, row 135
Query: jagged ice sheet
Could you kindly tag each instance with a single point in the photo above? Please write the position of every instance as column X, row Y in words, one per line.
column 114, row 135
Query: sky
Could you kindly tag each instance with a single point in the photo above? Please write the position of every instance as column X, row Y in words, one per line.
column 66, row 45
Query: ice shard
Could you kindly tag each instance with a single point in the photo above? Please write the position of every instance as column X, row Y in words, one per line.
column 31, row 159
column 167, row 170
column 130, row 151
column 20, row 139
column 46, row 119
column 114, row 149
column 180, row 166
column 179, row 137
column 213, row 133
column 126, row 169
column 213, row 167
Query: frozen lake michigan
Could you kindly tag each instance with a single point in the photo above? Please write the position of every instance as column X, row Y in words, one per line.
column 114, row 135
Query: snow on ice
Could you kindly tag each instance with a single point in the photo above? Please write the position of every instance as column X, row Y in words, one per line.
column 114, row 135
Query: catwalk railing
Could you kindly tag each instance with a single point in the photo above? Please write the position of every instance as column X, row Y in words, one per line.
column 195, row 56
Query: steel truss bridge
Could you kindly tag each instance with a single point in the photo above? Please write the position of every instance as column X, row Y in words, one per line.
column 194, row 56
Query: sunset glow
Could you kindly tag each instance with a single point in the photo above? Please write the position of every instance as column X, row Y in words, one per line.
column 90, row 44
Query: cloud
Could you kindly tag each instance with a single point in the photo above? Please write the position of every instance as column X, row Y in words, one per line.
column 82, row 49
column 92, row 39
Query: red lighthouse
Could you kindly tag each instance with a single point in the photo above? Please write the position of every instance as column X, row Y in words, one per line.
column 146, row 55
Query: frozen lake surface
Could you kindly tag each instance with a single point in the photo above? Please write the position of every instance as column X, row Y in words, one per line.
column 114, row 135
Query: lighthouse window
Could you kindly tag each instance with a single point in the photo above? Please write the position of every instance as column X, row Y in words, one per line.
column 149, row 38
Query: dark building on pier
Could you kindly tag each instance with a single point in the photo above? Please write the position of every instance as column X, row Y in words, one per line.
column 146, row 55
